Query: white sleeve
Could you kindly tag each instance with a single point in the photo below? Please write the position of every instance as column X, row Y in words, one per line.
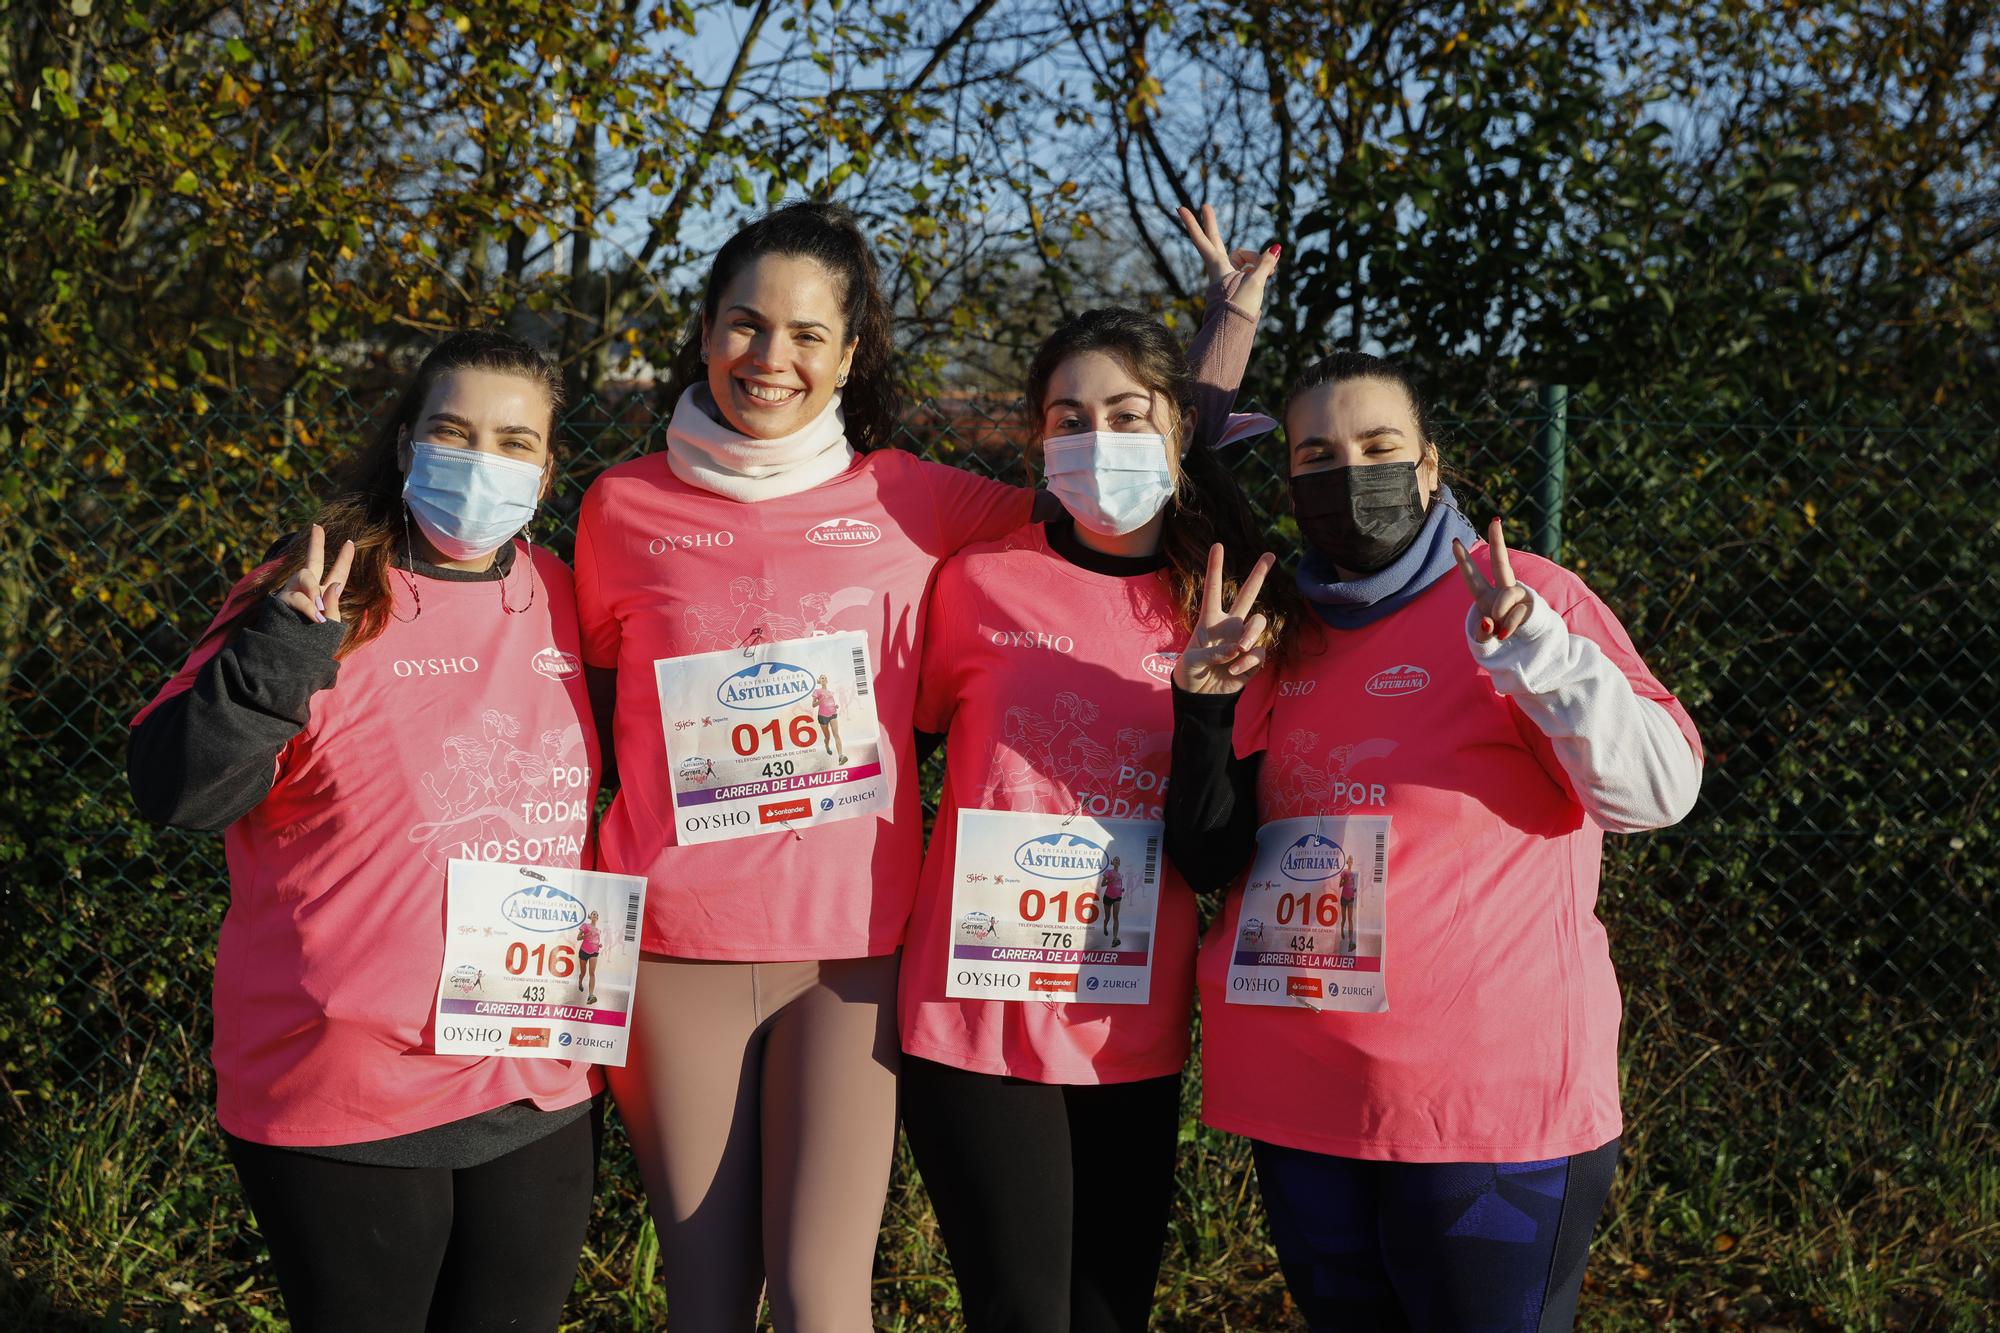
column 1631, row 766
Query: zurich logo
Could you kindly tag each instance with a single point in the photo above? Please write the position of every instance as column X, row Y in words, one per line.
column 563, row 1040
column 1311, row 859
column 766, row 685
column 1060, row 856
column 1397, row 680
column 1090, row 984
column 542, row 907
column 826, row 803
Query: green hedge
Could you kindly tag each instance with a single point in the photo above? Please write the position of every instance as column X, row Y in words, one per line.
column 1808, row 962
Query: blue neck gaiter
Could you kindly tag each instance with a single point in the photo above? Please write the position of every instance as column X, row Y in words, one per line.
column 1352, row 603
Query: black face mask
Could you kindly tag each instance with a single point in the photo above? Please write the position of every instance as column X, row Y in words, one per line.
column 1361, row 518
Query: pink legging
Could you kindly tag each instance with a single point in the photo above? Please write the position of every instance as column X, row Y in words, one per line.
column 761, row 1101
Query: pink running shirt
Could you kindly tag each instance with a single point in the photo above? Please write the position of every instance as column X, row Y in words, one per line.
column 462, row 731
column 665, row 569
column 589, row 938
column 824, row 702
column 1501, row 1039
column 1052, row 682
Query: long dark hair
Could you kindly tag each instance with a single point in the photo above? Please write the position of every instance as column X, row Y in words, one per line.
column 365, row 504
column 828, row 235
column 1207, row 505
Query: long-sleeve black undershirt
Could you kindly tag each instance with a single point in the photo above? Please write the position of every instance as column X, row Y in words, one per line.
column 1211, row 807
column 204, row 758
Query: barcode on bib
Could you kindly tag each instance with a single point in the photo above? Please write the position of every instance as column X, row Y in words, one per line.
column 632, row 920
column 861, row 672
column 1152, row 860
column 1381, row 856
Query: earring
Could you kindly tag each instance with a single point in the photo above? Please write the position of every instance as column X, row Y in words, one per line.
column 841, row 383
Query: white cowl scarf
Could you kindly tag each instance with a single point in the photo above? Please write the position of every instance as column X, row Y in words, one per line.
column 704, row 451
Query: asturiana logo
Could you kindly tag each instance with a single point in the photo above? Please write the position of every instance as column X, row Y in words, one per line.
column 542, row 907
column 766, row 685
column 1160, row 666
column 1060, row 856
column 1397, row 680
column 1312, row 859
column 844, row 532
column 557, row 664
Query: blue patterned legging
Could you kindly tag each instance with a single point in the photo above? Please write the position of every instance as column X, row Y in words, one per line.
column 1448, row 1247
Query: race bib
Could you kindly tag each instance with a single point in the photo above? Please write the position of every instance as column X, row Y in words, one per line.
column 539, row 962
column 772, row 736
column 1045, row 907
column 1315, row 916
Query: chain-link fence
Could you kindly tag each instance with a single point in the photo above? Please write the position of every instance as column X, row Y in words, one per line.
column 1808, row 961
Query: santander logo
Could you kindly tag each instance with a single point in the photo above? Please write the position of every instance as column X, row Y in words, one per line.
column 1160, row 666
column 1397, row 680
column 844, row 532
column 557, row 664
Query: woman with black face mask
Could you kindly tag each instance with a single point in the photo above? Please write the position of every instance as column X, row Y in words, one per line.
column 1407, row 1001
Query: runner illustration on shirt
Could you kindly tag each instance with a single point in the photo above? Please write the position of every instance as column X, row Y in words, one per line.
column 537, row 771
column 750, row 614
column 1021, row 766
column 486, row 782
column 826, row 705
column 1054, row 760
column 589, row 943
column 710, row 626
column 1302, row 787
column 474, row 765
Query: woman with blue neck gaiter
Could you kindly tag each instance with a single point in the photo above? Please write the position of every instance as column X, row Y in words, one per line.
column 1407, row 1000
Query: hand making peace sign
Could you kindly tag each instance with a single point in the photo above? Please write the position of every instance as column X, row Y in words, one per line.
column 1222, row 652
column 1219, row 261
column 1503, row 604
column 314, row 592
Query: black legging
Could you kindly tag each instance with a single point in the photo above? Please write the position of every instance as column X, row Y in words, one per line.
column 1053, row 1198
column 400, row 1249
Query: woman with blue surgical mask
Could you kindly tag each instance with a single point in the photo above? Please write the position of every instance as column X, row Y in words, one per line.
column 1048, row 971
column 398, row 687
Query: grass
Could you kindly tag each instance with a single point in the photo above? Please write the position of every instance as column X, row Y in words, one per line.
column 1740, row 1205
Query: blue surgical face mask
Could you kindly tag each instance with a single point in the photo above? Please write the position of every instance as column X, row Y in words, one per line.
column 1112, row 482
column 467, row 502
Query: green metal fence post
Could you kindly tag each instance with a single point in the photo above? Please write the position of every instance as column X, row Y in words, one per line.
column 1551, row 461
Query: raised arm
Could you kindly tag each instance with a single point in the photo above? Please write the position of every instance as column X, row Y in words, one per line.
column 205, row 752
column 1631, row 759
column 1211, row 807
column 1220, row 352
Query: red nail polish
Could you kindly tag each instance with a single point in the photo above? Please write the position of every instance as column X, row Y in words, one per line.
column 1277, row 249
